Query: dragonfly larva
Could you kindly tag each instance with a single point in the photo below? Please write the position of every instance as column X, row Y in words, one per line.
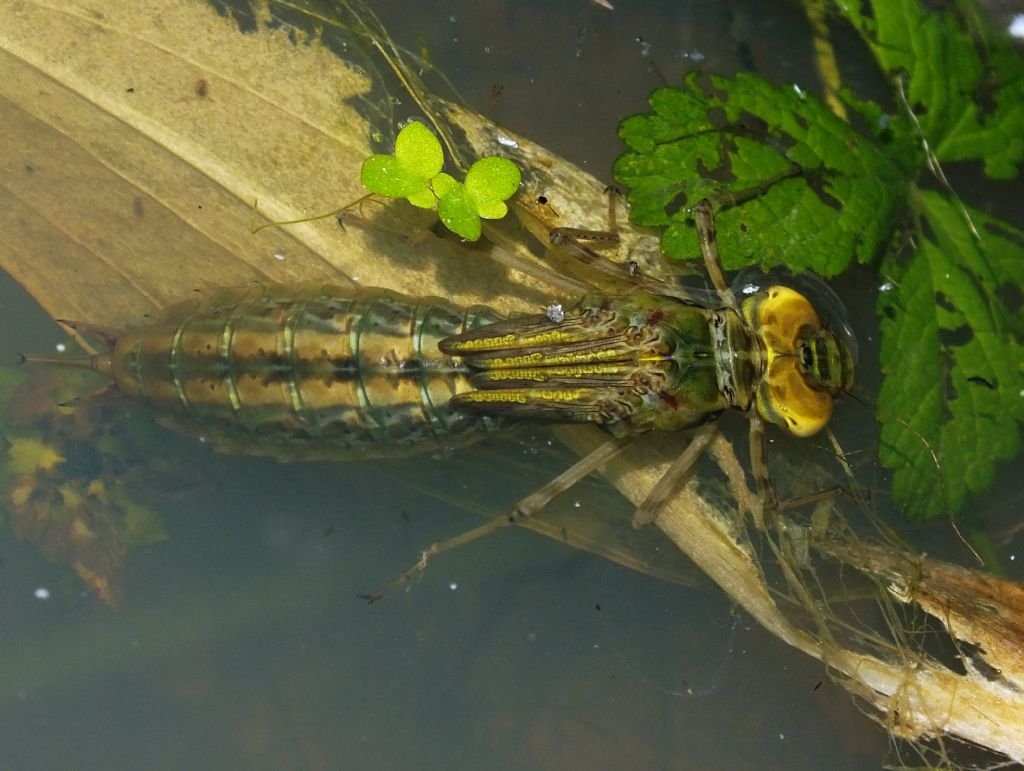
column 315, row 372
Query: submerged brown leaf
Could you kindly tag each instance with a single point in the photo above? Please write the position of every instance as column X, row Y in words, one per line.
column 126, row 186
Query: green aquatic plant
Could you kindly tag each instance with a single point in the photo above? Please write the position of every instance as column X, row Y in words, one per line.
column 816, row 194
column 796, row 184
column 414, row 172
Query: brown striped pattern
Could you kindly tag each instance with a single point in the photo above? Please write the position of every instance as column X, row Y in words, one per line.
column 305, row 372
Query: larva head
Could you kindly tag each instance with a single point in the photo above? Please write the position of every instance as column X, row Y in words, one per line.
column 806, row 365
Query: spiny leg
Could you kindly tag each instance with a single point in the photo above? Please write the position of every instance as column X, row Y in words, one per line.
column 769, row 501
column 759, row 467
column 571, row 241
column 521, row 511
column 805, row 500
column 510, row 259
column 704, row 217
column 662, row 491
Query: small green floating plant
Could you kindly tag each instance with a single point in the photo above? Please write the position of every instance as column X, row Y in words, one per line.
column 414, row 172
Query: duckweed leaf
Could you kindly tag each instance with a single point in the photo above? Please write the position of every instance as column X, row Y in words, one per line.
column 414, row 173
column 953, row 395
column 964, row 84
column 443, row 184
column 406, row 174
column 825, row 194
column 457, row 211
column 488, row 183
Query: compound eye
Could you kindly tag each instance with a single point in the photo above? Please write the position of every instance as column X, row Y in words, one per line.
column 806, row 357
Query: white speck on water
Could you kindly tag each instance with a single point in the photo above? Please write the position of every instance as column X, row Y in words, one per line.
column 1016, row 28
column 575, row 504
column 505, row 141
column 61, row 347
column 782, row 737
column 41, row 593
column 692, row 54
column 488, row 49
column 531, row 637
column 453, row 585
column 645, row 47
column 279, row 257
column 453, row 18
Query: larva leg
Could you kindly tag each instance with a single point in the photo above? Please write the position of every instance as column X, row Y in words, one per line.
column 571, row 241
column 521, row 511
column 769, row 501
column 704, row 217
column 662, row 491
column 759, row 467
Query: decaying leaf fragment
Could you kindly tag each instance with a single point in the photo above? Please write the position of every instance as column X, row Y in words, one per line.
column 66, row 478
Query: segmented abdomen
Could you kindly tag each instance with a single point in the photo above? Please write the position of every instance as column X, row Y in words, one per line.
column 308, row 372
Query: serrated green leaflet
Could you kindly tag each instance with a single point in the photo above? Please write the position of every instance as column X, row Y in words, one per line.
column 795, row 185
column 953, row 362
column 964, row 84
column 827, row 195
